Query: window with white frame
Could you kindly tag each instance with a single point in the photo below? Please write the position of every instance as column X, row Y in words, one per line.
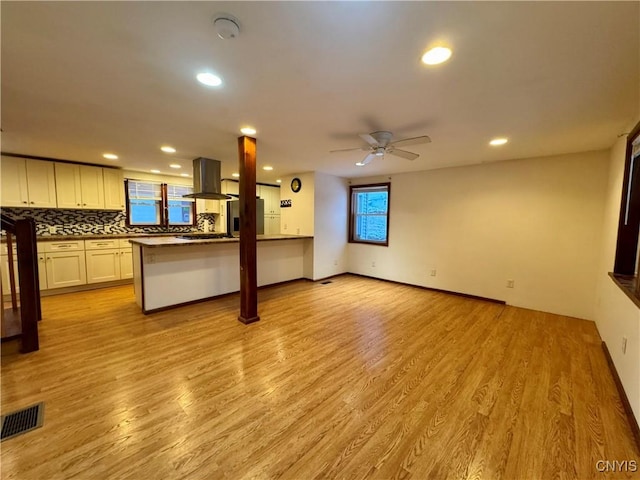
column 369, row 214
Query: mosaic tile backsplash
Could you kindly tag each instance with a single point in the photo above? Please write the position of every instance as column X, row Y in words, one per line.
column 95, row 222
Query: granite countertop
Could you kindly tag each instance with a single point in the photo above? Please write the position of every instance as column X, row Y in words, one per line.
column 175, row 241
column 94, row 236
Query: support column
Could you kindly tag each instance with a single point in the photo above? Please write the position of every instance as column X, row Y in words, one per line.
column 248, row 260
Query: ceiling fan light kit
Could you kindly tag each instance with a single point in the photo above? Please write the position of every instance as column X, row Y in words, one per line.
column 379, row 143
column 226, row 26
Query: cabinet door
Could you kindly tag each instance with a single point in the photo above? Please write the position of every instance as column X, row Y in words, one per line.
column 42, row 271
column 92, row 187
column 66, row 269
column 103, row 265
column 207, row 206
column 272, row 225
column 41, row 184
column 230, row 187
column 126, row 263
column 113, row 189
column 68, row 190
column 221, row 221
column 4, row 268
column 14, row 182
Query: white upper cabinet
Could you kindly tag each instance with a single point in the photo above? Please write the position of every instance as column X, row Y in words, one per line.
column 68, row 190
column 92, row 187
column 79, row 186
column 14, row 182
column 271, row 197
column 28, row 183
column 207, row 206
column 113, row 189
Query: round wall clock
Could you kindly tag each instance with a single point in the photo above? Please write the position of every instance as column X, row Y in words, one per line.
column 296, row 185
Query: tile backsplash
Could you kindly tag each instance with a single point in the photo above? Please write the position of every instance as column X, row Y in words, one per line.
column 95, row 222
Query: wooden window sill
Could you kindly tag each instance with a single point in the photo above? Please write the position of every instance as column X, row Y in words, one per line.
column 627, row 284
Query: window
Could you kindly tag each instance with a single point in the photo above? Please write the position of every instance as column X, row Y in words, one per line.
column 150, row 203
column 369, row 214
column 626, row 262
column 180, row 209
column 144, row 205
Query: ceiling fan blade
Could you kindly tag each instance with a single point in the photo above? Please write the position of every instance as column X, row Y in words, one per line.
column 349, row 149
column 369, row 139
column 366, row 160
column 403, row 154
column 411, row 141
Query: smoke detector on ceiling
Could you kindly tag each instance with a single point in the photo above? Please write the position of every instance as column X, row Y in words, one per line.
column 226, row 26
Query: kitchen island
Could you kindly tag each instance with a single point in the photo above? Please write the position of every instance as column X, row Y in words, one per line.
column 172, row 271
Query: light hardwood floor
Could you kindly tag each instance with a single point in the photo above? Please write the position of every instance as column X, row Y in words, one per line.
column 355, row 379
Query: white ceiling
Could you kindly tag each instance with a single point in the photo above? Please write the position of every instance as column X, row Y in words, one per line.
column 83, row 78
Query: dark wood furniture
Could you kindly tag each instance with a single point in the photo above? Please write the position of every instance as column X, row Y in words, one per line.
column 21, row 319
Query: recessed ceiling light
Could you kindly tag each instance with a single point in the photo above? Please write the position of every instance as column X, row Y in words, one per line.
column 184, row 174
column 235, row 174
column 498, row 141
column 248, row 130
column 436, row 55
column 278, row 181
column 360, row 164
column 209, row 79
column 110, row 156
column 175, row 165
column 168, row 149
column 155, row 171
column 267, row 167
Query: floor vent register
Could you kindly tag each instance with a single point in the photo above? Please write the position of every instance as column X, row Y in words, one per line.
column 22, row 421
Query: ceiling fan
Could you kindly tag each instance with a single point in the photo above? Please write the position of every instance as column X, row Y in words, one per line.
column 380, row 143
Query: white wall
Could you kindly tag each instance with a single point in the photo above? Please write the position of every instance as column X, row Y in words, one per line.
column 536, row 221
column 330, row 226
column 299, row 218
column 616, row 315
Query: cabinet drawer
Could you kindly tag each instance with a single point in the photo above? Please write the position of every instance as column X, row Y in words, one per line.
column 64, row 246
column 124, row 243
column 4, row 250
column 101, row 244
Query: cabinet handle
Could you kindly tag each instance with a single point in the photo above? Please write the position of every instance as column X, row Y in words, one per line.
column 32, row 202
column 84, row 204
column 77, row 204
column 24, row 201
column 40, row 258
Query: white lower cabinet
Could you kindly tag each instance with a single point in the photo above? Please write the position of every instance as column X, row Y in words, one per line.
column 108, row 260
column 103, row 265
column 126, row 263
column 65, row 269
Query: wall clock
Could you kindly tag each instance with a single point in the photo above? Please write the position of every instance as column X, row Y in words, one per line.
column 296, row 185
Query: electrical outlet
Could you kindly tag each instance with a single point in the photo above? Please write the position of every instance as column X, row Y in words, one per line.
column 53, row 229
column 335, row 263
column 285, row 226
column 373, row 264
column 107, row 229
column 510, row 283
column 297, row 231
column 624, row 345
column 433, row 272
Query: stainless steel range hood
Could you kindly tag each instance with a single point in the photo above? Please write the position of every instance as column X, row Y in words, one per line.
column 206, row 179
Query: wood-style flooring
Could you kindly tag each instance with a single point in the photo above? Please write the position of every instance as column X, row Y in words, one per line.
column 355, row 379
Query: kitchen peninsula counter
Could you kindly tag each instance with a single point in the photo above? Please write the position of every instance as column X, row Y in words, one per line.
column 173, row 271
column 178, row 241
